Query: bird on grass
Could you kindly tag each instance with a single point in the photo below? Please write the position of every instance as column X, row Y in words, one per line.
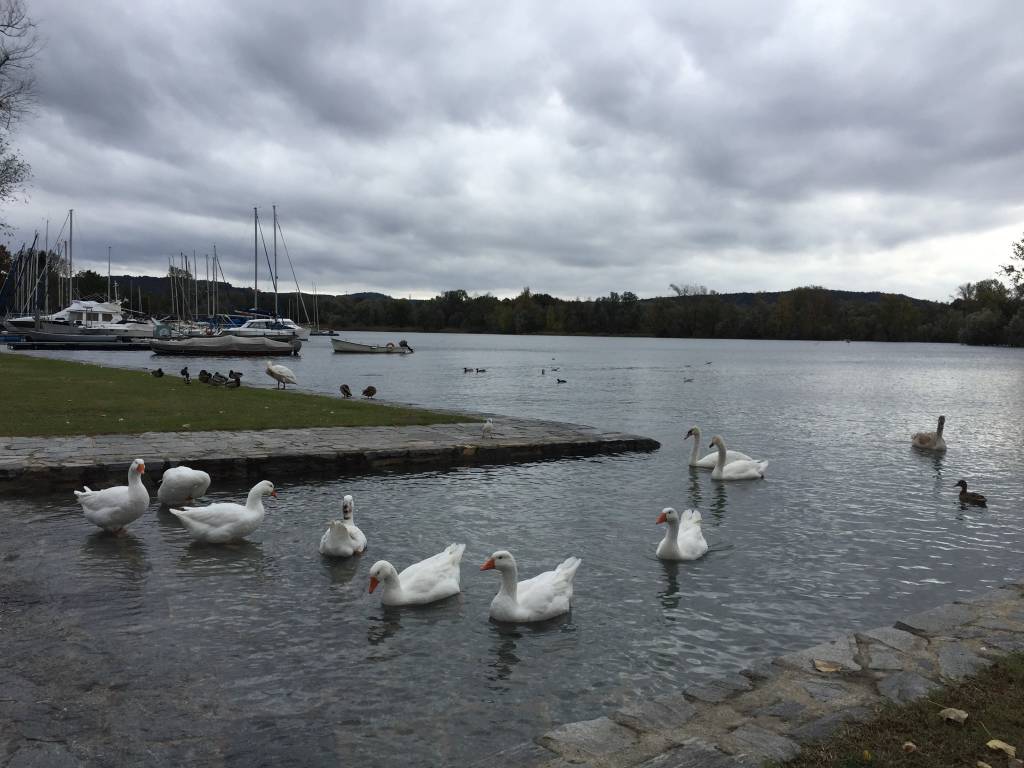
column 204, row 376
column 232, row 383
column 369, row 392
column 234, row 374
column 219, row 380
column 346, row 392
column 157, row 373
column 185, row 375
column 281, row 374
column 969, row 497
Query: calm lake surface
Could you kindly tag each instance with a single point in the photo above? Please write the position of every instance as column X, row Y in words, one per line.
column 291, row 659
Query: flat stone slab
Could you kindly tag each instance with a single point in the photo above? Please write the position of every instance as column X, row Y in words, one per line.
column 939, row 621
column 97, row 459
column 840, row 651
column 956, row 661
column 694, row 756
column 659, row 714
column 752, row 741
column 823, row 727
column 589, row 739
column 719, row 689
column 904, row 687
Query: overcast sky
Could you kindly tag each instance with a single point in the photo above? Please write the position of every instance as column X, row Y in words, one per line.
column 577, row 148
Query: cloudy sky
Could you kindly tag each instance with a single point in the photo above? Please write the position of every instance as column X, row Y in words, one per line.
column 575, row 147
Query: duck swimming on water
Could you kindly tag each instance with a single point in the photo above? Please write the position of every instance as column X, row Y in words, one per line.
column 970, row 497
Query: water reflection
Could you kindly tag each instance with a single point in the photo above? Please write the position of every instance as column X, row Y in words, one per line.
column 504, row 649
column 932, row 459
column 340, row 571
column 109, row 550
column 721, row 498
column 243, row 557
column 384, row 626
column 669, row 595
column 694, row 490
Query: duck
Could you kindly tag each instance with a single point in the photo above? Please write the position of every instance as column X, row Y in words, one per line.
column 560, row 381
column 709, row 461
column 342, row 537
column 185, row 375
column 112, row 509
column 226, row 522
column 684, row 539
column 157, row 373
column 218, row 379
column 466, row 370
column 970, row 497
column 743, row 469
column 346, row 392
column 180, row 485
column 487, row 430
column 369, row 392
column 232, row 384
column 233, row 374
column 281, row 374
column 930, row 441
column 424, row 582
column 543, row 597
column 204, row 376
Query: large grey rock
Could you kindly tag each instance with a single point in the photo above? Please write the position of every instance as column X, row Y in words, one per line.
column 894, row 638
column 956, row 661
column 719, row 689
column 692, row 756
column 940, row 621
column 880, row 658
column 589, row 739
column 840, row 651
column 784, row 710
column 753, row 741
column 823, row 727
column 659, row 714
column 525, row 755
column 826, row 692
column 43, row 755
column 904, row 687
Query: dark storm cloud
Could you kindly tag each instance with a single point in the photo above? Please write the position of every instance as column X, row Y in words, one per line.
column 574, row 148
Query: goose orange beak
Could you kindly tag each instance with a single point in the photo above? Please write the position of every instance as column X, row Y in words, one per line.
column 662, row 518
column 274, row 493
column 373, row 583
column 142, row 468
column 488, row 564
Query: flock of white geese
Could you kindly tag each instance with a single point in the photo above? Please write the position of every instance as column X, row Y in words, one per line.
column 542, row 597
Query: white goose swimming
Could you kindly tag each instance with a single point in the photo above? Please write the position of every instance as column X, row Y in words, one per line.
column 226, row 522
column 545, row 596
column 737, row 470
column 683, row 537
column 424, row 582
column 342, row 538
column 930, row 441
column 709, row 461
column 180, row 485
column 113, row 508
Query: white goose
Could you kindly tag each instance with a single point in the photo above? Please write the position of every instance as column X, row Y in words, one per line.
column 545, row 596
column 342, row 538
column 180, row 485
column 226, row 522
column 931, row 441
column 424, row 582
column 683, row 537
column 709, row 461
column 282, row 374
column 113, row 508
column 737, row 470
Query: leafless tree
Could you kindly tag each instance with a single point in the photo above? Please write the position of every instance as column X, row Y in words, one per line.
column 19, row 44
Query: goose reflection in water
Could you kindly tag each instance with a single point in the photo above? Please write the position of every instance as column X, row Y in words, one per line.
column 505, row 658
column 128, row 552
column 718, row 503
column 341, row 571
column 243, row 557
column 383, row 627
column 669, row 596
column 694, row 489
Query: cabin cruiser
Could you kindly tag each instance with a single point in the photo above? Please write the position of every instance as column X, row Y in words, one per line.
column 274, row 328
column 85, row 318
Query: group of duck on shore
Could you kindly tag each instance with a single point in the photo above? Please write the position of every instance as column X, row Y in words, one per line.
column 542, row 597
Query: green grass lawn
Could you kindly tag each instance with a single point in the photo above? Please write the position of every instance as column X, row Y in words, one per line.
column 993, row 700
column 40, row 396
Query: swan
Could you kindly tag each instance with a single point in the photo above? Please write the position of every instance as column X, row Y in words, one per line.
column 487, row 430
column 931, row 441
column 281, row 374
column 709, row 461
column 424, row 582
column 545, row 596
column 969, row 497
column 180, row 485
column 342, row 538
column 113, row 508
column 226, row 522
column 737, row 470
column 683, row 537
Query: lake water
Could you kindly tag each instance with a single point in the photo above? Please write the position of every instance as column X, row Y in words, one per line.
column 286, row 656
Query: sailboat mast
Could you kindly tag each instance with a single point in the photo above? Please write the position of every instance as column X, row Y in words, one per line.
column 255, row 259
column 108, row 273
column 71, row 253
column 275, row 262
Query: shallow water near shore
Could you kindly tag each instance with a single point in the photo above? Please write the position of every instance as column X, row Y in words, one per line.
column 266, row 652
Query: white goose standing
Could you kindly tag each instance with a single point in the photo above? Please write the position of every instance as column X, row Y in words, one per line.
column 684, row 539
column 424, row 582
column 545, row 596
column 282, row 374
column 225, row 522
column 113, row 508
column 180, row 485
column 709, row 461
column 342, row 537
column 737, row 470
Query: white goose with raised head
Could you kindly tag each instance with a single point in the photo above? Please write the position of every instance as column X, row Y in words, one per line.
column 113, row 508
column 225, row 522
column 342, row 537
column 424, row 582
column 545, row 596
column 709, row 461
column 737, row 470
column 684, row 539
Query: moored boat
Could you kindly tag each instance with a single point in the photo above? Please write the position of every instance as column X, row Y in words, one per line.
column 225, row 345
column 355, row 348
column 280, row 329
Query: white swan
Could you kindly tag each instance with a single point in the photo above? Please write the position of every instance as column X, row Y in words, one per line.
column 737, row 470
column 683, row 537
column 931, row 441
column 545, row 596
column 342, row 538
column 113, row 508
column 709, row 461
column 424, row 582
column 226, row 522
column 487, row 430
column 180, row 485
column 281, row 374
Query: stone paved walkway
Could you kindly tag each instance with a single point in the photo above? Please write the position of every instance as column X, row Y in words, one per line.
column 765, row 713
column 96, row 459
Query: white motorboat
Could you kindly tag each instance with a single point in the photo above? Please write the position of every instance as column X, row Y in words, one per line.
column 83, row 318
column 355, row 348
column 280, row 328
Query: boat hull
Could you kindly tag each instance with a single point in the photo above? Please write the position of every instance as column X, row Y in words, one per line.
column 225, row 345
column 355, row 348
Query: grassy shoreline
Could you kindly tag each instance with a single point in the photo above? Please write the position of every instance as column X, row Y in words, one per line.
column 42, row 397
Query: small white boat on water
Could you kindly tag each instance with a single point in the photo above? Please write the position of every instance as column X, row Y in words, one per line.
column 355, row 348
column 225, row 345
column 280, row 329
